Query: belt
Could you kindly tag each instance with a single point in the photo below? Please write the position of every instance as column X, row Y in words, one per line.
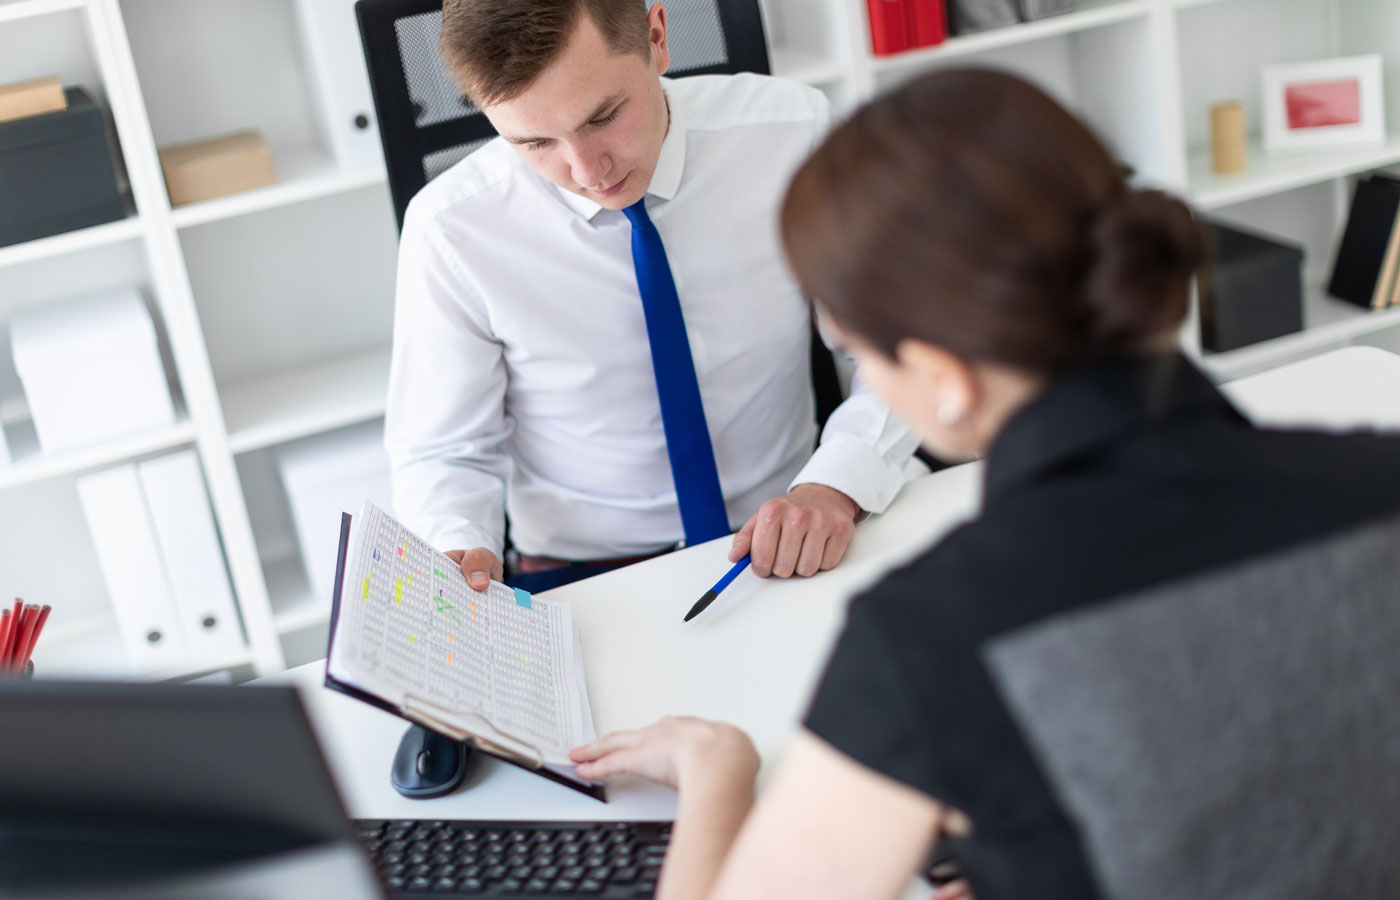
column 529, row 563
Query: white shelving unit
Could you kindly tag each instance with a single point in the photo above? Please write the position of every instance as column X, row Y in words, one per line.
column 274, row 306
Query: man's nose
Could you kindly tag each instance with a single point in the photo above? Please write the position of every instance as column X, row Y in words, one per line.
column 589, row 166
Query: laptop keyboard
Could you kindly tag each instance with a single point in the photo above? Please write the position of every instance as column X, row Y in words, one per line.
column 516, row 859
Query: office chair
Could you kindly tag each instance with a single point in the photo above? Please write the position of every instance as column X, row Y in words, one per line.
column 427, row 126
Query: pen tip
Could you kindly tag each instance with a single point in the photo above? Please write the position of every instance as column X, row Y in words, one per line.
column 700, row 605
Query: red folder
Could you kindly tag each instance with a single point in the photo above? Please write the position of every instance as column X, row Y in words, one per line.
column 889, row 26
column 928, row 22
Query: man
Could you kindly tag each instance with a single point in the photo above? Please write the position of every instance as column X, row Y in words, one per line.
column 539, row 366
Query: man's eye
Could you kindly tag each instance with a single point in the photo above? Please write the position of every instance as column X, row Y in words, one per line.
column 606, row 119
column 537, row 145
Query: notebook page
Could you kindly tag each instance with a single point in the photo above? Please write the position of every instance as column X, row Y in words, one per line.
column 500, row 662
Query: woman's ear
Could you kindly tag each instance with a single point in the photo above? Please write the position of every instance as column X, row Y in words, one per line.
column 946, row 379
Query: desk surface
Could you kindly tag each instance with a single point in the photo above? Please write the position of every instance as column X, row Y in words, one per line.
column 755, row 655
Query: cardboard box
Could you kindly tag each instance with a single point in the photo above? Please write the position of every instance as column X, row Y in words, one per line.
column 31, row 98
column 206, row 169
column 57, row 173
column 91, row 369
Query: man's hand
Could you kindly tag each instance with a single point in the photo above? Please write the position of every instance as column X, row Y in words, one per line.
column 805, row 532
column 481, row 567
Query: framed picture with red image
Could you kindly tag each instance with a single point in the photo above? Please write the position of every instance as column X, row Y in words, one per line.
column 1326, row 103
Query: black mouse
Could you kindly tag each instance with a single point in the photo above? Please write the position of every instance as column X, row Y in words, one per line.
column 428, row 764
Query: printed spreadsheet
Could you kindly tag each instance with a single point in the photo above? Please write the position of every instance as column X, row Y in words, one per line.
column 409, row 626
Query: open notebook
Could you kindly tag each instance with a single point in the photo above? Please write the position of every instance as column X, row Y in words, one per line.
column 500, row 669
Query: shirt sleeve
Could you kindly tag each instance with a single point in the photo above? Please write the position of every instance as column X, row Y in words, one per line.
column 864, row 451
column 444, row 426
column 864, row 709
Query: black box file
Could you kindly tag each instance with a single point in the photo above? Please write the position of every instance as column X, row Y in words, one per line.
column 1253, row 292
column 56, row 172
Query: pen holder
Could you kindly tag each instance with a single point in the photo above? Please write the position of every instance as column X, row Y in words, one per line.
column 26, row 672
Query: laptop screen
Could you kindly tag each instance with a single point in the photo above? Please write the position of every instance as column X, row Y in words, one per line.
column 104, row 778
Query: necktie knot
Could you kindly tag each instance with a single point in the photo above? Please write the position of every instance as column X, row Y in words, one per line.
column 637, row 213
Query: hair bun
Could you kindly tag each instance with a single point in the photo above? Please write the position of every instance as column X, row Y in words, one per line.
column 1144, row 247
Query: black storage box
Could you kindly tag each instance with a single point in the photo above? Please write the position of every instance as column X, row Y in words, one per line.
column 1031, row 10
column 56, row 172
column 1253, row 292
column 969, row 16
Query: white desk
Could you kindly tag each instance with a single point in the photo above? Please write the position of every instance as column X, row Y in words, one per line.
column 754, row 656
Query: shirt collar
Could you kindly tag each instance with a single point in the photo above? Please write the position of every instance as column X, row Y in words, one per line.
column 1087, row 408
column 670, row 164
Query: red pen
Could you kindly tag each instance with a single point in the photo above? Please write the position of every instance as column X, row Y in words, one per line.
column 6, row 621
column 41, row 616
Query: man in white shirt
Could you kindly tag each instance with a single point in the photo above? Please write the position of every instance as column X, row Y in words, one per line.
column 522, row 375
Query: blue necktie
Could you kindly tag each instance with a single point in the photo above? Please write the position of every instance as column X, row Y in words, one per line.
column 682, row 413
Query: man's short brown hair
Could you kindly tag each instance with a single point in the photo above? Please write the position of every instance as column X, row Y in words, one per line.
column 497, row 48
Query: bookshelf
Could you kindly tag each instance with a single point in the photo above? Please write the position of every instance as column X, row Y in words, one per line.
column 274, row 306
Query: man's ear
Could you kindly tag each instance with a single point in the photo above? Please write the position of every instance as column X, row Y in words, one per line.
column 657, row 35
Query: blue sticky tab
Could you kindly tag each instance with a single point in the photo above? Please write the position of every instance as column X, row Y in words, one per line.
column 522, row 598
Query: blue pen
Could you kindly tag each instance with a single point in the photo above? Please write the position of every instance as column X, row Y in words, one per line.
column 720, row 585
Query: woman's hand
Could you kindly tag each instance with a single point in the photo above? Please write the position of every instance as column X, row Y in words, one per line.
column 679, row 751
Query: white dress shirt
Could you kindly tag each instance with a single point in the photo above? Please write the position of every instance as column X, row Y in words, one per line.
column 521, row 375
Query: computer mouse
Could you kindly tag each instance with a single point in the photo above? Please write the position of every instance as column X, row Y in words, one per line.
column 428, row 764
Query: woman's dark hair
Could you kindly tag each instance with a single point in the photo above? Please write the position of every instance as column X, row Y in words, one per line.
column 969, row 210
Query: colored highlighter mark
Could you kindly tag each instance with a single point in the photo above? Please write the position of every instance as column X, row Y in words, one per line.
column 444, row 606
column 410, row 638
column 398, row 591
column 410, row 579
column 449, row 659
column 522, row 598
column 449, row 639
column 439, row 573
column 366, row 589
column 403, row 549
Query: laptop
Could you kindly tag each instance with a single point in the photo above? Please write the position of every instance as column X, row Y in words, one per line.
column 109, row 788
column 118, row 790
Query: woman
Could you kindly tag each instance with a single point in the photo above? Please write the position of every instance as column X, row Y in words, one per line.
column 1010, row 296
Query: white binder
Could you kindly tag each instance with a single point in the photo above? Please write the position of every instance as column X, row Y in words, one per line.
column 194, row 561
column 115, row 508
column 336, row 63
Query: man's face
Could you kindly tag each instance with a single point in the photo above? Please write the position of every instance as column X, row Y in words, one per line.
column 593, row 122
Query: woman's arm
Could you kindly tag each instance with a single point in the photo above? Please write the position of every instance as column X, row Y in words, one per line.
column 826, row 826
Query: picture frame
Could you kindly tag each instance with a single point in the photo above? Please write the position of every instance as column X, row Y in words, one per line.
column 1323, row 103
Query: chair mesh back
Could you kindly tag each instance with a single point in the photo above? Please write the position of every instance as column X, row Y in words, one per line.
column 435, row 97
column 427, row 126
column 434, row 164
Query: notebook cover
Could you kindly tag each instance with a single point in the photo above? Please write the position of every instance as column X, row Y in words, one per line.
column 596, row 791
column 889, row 26
column 928, row 23
column 1361, row 254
